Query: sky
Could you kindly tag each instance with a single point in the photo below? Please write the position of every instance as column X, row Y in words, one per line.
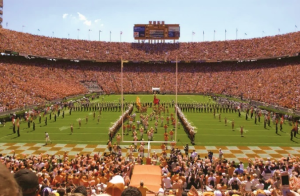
column 62, row 18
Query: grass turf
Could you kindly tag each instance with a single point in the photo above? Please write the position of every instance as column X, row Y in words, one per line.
column 210, row 132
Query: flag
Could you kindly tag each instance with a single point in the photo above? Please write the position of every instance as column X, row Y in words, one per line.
column 23, row 26
column 193, row 33
column 214, row 31
column 203, row 32
column 155, row 100
column 236, row 30
column 245, row 33
column 225, row 31
column 38, row 29
column 279, row 30
column 296, row 26
column 121, row 32
column 90, row 30
column 78, row 29
column 110, row 32
column 138, row 102
column 6, row 24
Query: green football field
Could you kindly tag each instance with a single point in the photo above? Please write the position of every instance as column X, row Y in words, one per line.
column 210, row 132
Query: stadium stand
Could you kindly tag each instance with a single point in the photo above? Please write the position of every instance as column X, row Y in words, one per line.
column 181, row 174
column 267, row 47
column 34, row 81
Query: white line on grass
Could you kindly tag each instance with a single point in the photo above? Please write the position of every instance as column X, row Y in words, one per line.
column 63, row 128
column 74, row 141
column 243, row 143
column 83, row 127
column 4, row 137
column 206, row 143
column 75, row 133
column 245, row 130
column 248, row 136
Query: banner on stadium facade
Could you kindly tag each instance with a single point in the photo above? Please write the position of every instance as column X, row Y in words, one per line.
column 155, row 89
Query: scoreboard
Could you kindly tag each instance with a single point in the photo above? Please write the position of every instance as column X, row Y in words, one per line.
column 156, row 30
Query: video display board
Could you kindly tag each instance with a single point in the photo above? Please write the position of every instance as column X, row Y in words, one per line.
column 174, row 32
column 139, row 31
column 156, row 30
column 156, row 33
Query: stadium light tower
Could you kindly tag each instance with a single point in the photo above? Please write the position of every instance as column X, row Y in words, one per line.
column 214, row 34
column 193, row 33
column 89, row 33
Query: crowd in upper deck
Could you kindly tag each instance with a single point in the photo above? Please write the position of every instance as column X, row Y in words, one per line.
column 280, row 45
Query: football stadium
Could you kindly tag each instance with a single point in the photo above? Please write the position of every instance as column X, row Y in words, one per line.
column 156, row 114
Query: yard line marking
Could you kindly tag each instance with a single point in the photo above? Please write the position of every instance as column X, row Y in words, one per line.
column 63, row 128
column 4, row 137
column 105, row 133
column 245, row 130
column 74, row 142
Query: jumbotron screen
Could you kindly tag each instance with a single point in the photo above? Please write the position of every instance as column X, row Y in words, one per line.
column 156, row 30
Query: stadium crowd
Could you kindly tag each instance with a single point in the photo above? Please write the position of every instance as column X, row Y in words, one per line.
column 274, row 46
column 29, row 82
column 182, row 173
column 36, row 81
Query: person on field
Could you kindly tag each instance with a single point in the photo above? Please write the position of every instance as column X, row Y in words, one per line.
column 242, row 131
column 47, row 138
column 79, row 122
